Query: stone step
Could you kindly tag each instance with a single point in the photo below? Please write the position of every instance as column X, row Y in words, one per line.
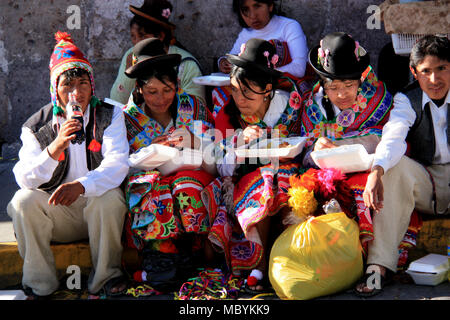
column 65, row 255
column 433, row 237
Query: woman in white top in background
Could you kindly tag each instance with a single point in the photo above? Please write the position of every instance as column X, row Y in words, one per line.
column 259, row 20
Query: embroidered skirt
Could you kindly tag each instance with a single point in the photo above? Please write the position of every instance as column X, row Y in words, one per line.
column 256, row 195
column 161, row 208
column 254, row 199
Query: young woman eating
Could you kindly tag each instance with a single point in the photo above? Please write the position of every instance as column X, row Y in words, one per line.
column 166, row 214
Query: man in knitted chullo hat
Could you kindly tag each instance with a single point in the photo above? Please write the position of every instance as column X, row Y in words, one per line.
column 70, row 191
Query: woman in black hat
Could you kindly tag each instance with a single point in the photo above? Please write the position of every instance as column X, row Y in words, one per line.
column 347, row 86
column 151, row 20
column 349, row 105
column 259, row 19
column 164, row 210
column 257, row 110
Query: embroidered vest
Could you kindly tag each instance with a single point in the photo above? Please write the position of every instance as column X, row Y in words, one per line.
column 40, row 124
column 421, row 139
column 191, row 115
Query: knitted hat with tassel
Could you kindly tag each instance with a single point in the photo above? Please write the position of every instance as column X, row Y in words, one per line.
column 66, row 56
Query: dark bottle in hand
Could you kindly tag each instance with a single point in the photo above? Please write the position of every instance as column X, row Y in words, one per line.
column 74, row 111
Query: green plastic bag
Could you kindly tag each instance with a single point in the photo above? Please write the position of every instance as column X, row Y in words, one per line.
column 318, row 257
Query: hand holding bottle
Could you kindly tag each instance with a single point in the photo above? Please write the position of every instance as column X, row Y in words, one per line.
column 66, row 134
column 74, row 111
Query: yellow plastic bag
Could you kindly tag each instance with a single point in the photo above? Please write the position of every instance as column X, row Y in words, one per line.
column 318, row 257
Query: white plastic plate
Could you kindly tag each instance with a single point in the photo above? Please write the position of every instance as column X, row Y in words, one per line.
column 153, row 156
column 187, row 159
column 214, row 79
column 268, row 148
column 114, row 103
column 347, row 158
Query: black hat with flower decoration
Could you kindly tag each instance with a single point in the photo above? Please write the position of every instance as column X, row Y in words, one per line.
column 149, row 54
column 257, row 54
column 339, row 57
column 157, row 11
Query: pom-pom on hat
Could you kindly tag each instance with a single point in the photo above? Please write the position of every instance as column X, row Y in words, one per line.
column 149, row 54
column 339, row 57
column 66, row 55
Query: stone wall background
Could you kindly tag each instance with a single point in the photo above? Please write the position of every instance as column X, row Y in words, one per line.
column 207, row 28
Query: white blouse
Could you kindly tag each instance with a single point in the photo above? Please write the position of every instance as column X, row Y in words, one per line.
column 283, row 29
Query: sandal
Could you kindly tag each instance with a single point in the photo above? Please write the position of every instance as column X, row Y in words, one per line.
column 114, row 283
column 256, row 278
column 370, row 278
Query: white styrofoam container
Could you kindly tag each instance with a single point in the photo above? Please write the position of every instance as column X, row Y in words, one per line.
column 429, row 270
column 114, row 103
column 153, row 156
column 214, row 79
column 12, row 295
column 186, row 159
column 347, row 158
column 262, row 151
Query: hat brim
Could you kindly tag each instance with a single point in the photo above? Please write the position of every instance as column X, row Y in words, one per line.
column 137, row 11
column 141, row 68
column 364, row 62
column 240, row 62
